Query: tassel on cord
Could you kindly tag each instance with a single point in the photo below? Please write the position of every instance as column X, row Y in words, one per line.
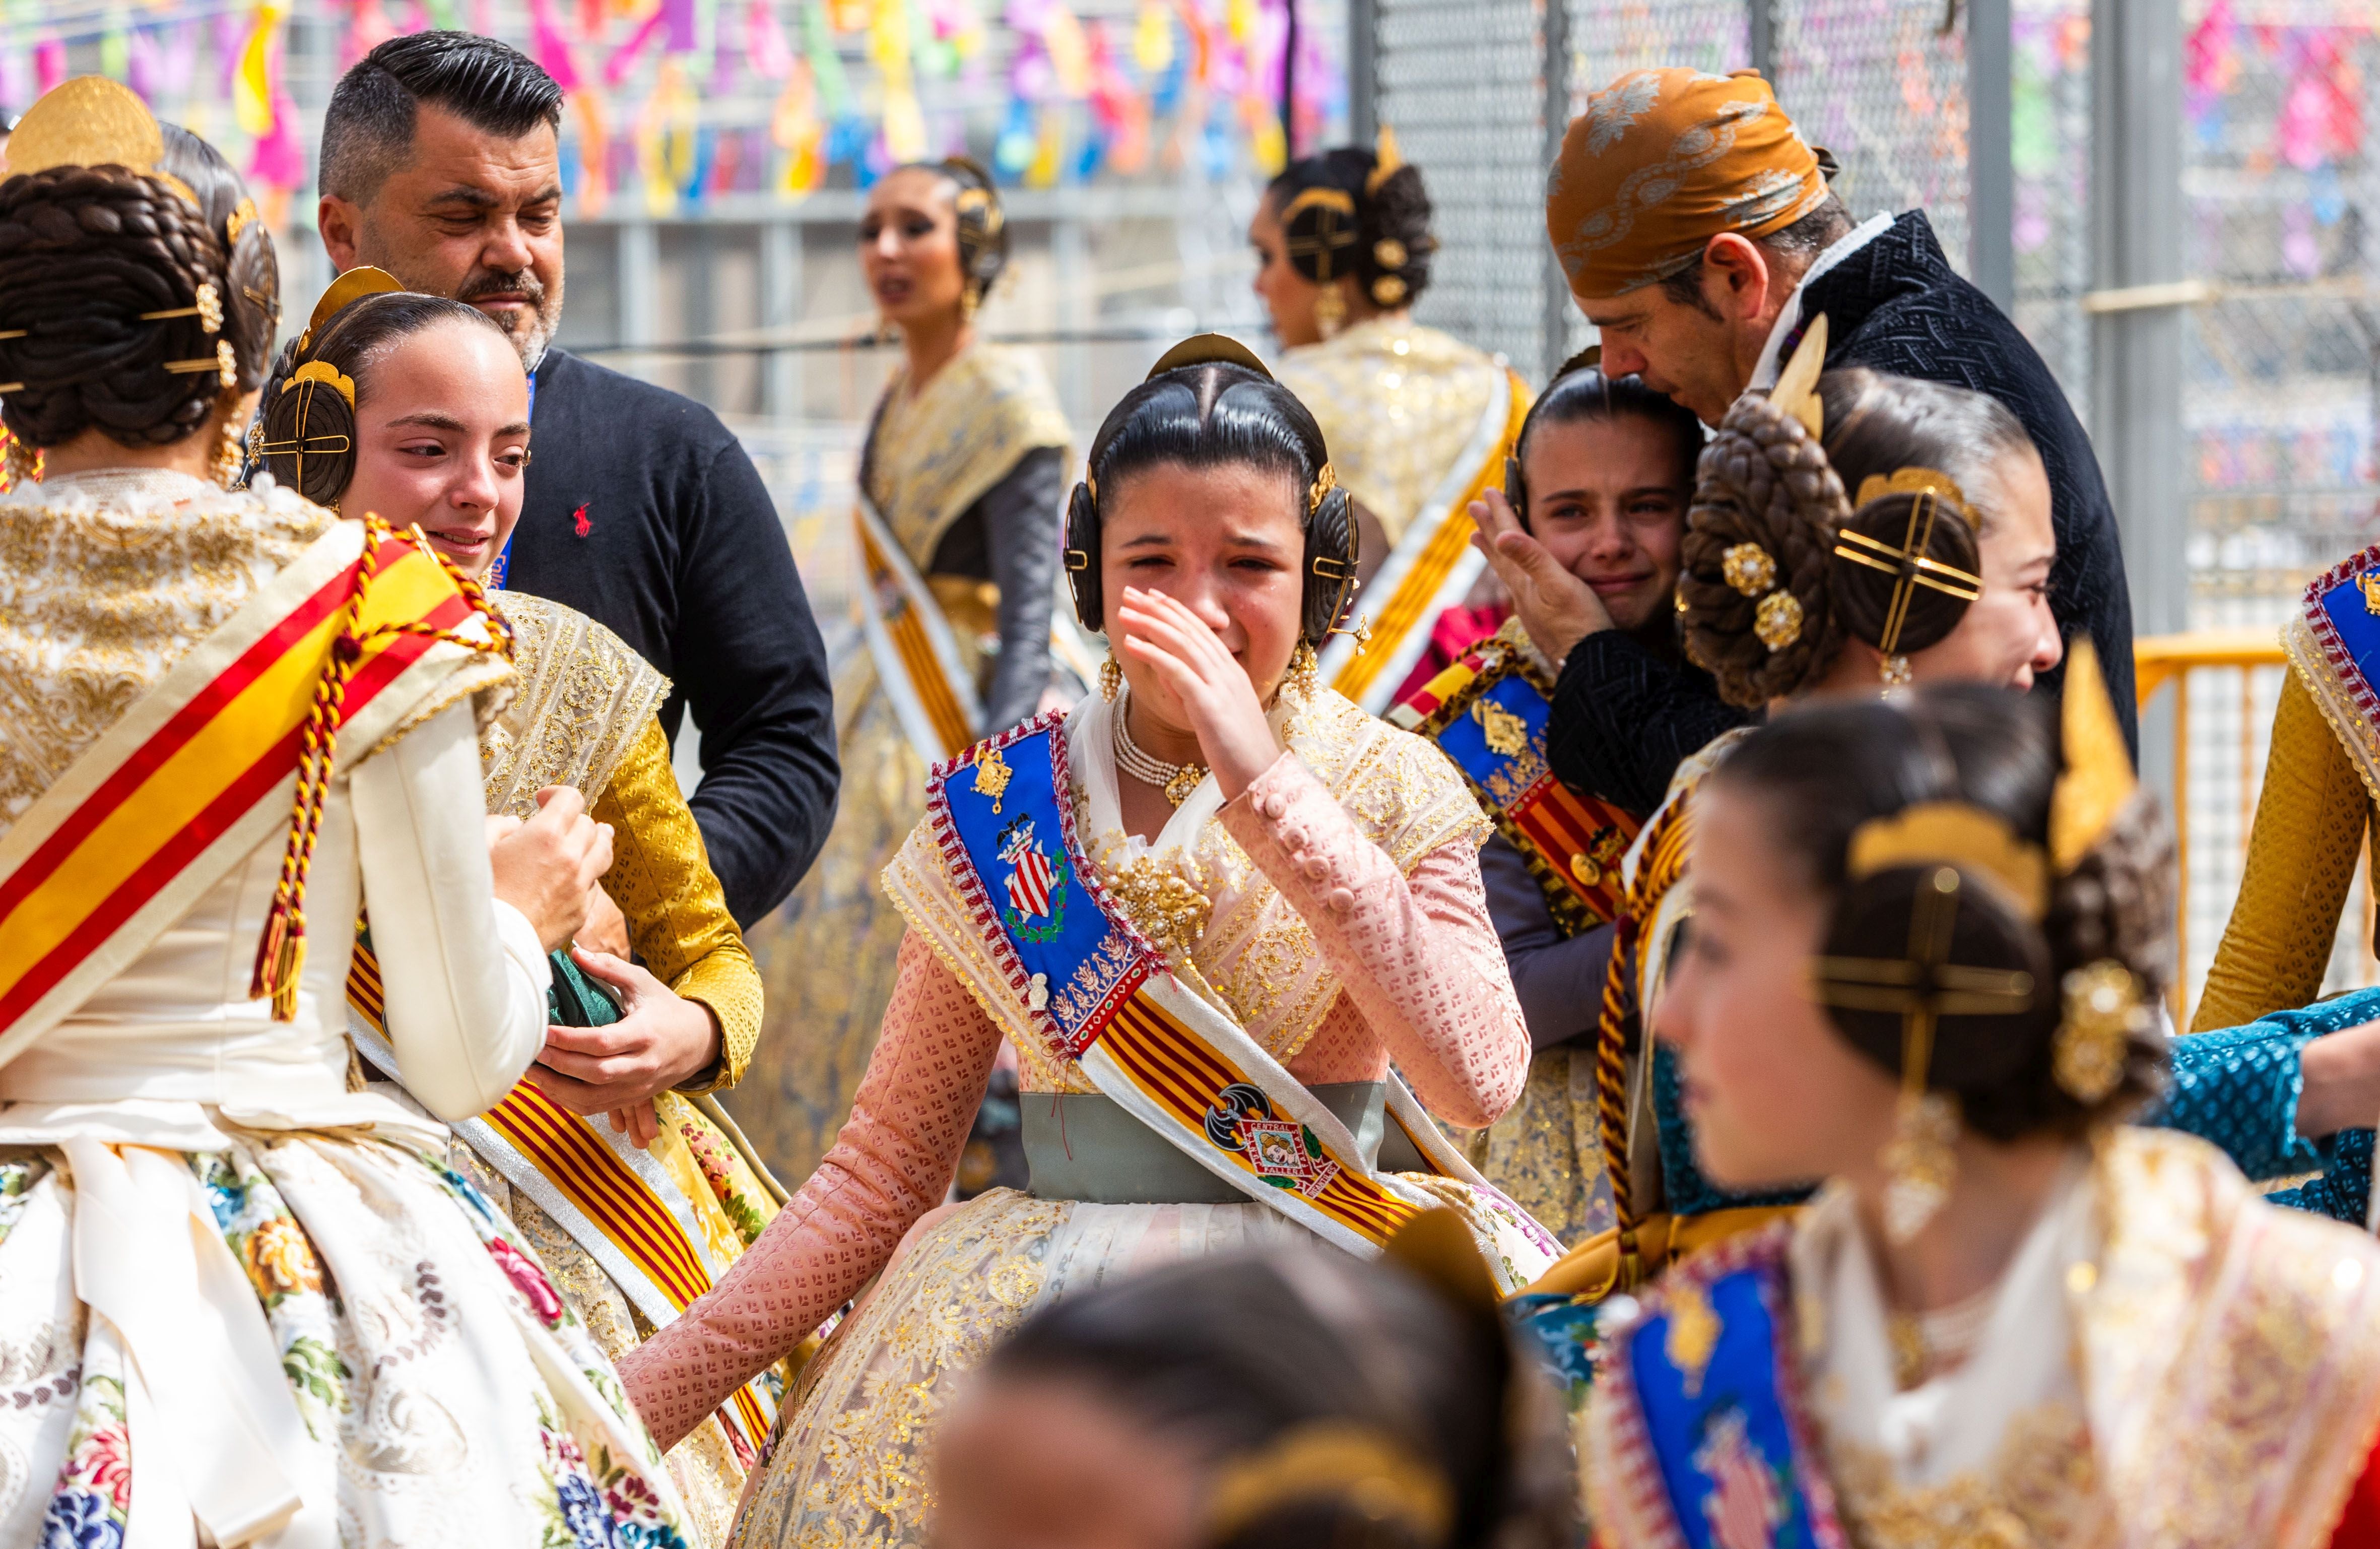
column 281, row 955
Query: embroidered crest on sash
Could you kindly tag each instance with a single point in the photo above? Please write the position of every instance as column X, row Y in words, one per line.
column 2334, row 643
column 1488, row 713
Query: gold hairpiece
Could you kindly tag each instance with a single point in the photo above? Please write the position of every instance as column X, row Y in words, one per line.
column 1915, row 480
column 1367, row 1471
column 325, row 373
column 1797, row 386
column 1324, row 483
column 209, row 310
column 1385, row 161
column 347, row 290
column 979, row 201
column 6, row 387
column 12, row 333
column 1909, row 567
column 1962, row 835
column 1205, row 349
column 223, row 363
column 2102, row 1010
column 243, row 214
column 2098, row 778
column 92, row 121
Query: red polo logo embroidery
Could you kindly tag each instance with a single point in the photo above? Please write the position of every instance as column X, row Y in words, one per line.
column 578, row 521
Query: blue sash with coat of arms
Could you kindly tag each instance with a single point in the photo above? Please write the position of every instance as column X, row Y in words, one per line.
column 1712, row 1448
column 2334, row 644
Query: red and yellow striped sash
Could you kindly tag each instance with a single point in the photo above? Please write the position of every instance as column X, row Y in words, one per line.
column 1187, row 1075
column 227, row 748
column 569, row 1154
column 920, row 664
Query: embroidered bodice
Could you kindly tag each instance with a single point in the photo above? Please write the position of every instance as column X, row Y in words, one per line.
column 1379, row 870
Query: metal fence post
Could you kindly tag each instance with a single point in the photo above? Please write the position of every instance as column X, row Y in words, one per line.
column 2136, row 241
column 1760, row 37
column 1555, row 343
column 1362, row 72
column 1991, row 177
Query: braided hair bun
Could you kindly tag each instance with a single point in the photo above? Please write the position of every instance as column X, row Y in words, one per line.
column 1372, row 225
column 1764, row 483
column 84, row 252
column 1780, row 568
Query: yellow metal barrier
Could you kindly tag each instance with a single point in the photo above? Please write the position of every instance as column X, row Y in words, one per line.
column 2158, row 660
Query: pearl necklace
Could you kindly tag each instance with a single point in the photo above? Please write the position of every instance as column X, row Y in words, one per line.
column 1176, row 780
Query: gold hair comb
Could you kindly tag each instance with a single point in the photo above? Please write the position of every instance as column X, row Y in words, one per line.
column 1962, row 835
column 347, row 290
column 1915, row 480
column 2098, row 778
column 92, row 121
column 1333, row 1460
column 1386, row 161
column 1206, row 350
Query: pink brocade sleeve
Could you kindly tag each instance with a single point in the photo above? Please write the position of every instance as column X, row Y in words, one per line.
column 1417, row 955
column 891, row 1162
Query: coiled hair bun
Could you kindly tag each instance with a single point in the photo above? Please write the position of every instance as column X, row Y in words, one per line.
column 84, row 252
column 1762, row 483
column 1375, row 226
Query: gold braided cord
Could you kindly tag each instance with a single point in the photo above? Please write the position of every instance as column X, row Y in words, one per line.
column 1665, row 860
column 281, row 955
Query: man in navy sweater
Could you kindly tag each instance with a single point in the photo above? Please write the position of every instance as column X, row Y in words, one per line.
column 440, row 163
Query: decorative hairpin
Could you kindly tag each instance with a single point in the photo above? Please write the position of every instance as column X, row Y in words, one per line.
column 1324, row 1460
column 1963, row 833
column 1797, row 386
column 1385, row 162
column 326, row 373
column 223, row 363
column 209, row 310
column 2098, row 779
column 1751, row 571
column 1916, row 481
column 1324, row 483
column 242, row 216
column 1205, row 349
column 1910, row 568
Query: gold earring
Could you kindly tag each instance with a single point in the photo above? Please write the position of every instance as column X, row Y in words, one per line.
column 969, row 299
column 1301, row 677
column 1110, row 679
column 23, row 465
column 1329, row 310
column 1920, row 1160
column 227, row 457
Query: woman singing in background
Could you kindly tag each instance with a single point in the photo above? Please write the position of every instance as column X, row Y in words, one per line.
column 960, row 485
column 1419, row 422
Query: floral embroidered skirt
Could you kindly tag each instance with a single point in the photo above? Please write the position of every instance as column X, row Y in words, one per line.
column 432, row 1387
column 848, row 1466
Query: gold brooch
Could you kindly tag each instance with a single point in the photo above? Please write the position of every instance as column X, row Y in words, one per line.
column 1388, row 253
column 992, row 776
column 1749, row 568
column 1778, row 620
column 2103, row 1005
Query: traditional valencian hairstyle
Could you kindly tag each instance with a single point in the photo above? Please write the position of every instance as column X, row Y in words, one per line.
column 1208, row 402
column 305, row 431
column 137, row 284
column 1335, row 1404
column 982, row 224
column 1579, row 393
column 2000, row 902
column 1781, row 565
column 1360, row 213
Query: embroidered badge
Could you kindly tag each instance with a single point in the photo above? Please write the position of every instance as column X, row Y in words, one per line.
column 2368, row 583
column 1035, row 887
column 579, row 523
column 1744, row 1508
column 1281, row 1152
column 1693, row 1335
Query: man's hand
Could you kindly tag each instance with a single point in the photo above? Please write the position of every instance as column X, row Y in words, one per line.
column 1556, row 607
column 2341, row 1076
column 545, row 867
column 660, row 1040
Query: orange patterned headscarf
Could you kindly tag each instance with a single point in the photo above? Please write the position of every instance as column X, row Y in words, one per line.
column 1661, row 162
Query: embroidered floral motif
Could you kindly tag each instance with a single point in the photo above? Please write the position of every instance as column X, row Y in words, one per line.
column 93, row 1499
column 529, row 1279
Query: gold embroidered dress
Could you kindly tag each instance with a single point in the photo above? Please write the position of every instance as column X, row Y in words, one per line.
column 585, row 717
column 2167, row 1363
column 1398, row 402
column 1333, row 911
column 826, row 956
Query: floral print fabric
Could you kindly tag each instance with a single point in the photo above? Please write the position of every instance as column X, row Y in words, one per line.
column 450, row 1395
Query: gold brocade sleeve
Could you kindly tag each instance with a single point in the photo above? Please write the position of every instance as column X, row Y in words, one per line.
column 2309, row 821
column 661, row 877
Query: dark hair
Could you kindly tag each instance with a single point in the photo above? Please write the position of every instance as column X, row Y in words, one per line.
column 368, row 129
column 1234, row 1355
column 1825, row 770
column 1764, row 483
column 982, row 222
column 1215, row 415
column 1581, row 394
column 1801, row 241
column 252, row 302
column 84, row 252
column 1390, row 221
column 301, row 429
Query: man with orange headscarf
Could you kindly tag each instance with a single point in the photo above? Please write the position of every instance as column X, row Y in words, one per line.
column 1700, row 237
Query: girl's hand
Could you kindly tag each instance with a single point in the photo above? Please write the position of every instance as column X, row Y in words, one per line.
column 1212, row 689
column 1556, row 607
